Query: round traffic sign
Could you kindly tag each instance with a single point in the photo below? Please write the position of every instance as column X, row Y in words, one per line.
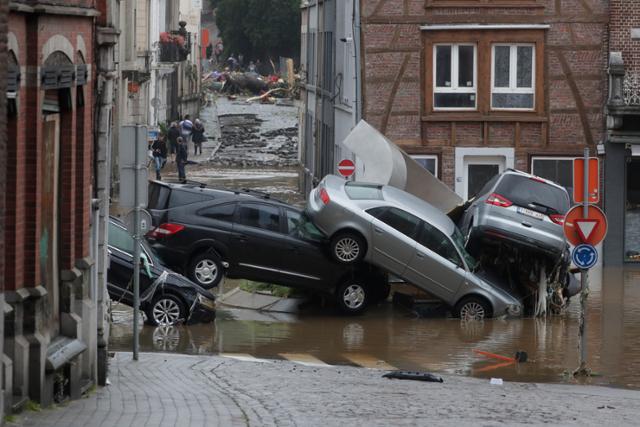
column 346, row 167
column 591, row 230
column 584, row 256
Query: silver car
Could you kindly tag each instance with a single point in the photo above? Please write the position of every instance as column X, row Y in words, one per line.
column 409, row 238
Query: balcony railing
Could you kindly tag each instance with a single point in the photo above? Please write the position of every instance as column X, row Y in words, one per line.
column 175, row 46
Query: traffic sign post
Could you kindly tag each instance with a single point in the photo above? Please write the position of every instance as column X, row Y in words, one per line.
column 346, row 168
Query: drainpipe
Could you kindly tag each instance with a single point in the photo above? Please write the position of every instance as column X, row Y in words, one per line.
column 356, row 57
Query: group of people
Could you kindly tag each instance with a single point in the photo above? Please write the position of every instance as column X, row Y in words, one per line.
column 178, row 137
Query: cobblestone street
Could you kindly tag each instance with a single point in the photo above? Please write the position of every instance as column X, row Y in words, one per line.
column 179, row 390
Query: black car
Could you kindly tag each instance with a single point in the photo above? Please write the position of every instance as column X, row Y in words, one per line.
column 165, row 296
column 208, row 233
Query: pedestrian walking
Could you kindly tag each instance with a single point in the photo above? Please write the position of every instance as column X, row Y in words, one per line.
column 181, row 159
column 198, row 137
column 159, row 149
column 172, row 135
column 186, row 129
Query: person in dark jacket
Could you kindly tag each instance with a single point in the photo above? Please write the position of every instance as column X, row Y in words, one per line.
column 173, row 134
column 159, row 149
column 181, row 159
column 198, row 137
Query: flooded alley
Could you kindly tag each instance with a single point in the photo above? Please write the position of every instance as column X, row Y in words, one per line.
column 388, row 336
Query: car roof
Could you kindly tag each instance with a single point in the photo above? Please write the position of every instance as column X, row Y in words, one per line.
column 199, row 187
column 403, row 200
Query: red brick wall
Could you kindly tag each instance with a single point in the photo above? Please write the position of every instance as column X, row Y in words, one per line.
column 4, row 16
column 25, row 142
column 394, row 68
column 624, row 16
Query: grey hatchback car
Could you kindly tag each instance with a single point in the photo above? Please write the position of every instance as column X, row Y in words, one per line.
column 409, row 238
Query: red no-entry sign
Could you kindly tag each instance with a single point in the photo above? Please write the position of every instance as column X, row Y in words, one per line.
column 346, row 167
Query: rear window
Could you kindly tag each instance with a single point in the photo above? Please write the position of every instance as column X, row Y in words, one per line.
column 158, row 196
column 540, row 196
column 357, row 191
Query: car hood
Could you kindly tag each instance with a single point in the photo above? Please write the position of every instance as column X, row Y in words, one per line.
column 177, row 279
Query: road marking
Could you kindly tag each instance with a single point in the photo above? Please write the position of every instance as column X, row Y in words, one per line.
column 244, row 357
column 304, row 359
column 368, row 361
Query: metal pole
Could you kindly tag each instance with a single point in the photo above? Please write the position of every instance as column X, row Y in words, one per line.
column 584, row 274
column 136, row 254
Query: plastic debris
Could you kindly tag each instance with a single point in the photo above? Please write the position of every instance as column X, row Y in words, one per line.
column 413, row 375
column 496, row 381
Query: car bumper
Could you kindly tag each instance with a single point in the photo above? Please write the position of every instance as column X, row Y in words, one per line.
column 203, row 310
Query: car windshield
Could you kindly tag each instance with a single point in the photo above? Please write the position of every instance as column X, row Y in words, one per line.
column 540, row 196
column 458, row 240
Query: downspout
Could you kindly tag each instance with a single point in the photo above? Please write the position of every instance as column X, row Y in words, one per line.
column 356, row 57
column 319, row 95
column 107, row 73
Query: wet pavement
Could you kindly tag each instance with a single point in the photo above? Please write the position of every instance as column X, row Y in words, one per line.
column 391, row 337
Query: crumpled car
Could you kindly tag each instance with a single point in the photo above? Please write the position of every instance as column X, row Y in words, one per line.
column 514, row 225
column 409, row 238
column 166, row 297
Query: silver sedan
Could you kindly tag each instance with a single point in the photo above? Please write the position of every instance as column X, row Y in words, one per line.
column 409, row 238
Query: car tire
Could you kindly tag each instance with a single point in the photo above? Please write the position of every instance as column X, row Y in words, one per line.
column 352, row 297
column 347, row 248
column 166, row 310
column 206, row 270
column 473, row 308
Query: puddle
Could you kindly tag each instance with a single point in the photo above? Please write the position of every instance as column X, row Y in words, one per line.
column 402, row 341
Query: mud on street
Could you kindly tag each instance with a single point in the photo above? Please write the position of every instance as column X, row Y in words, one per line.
column 255, row 146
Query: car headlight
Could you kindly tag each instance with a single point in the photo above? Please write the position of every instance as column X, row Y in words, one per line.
column 514, row 309
column 206, row 302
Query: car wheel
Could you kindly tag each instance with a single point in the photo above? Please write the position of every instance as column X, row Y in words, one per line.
column 206, row 270
column 166, row 310
column 347, row 248
column 473, row 308
column 352, row 297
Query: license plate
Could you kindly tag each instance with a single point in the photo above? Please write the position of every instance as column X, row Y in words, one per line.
column 529, row 212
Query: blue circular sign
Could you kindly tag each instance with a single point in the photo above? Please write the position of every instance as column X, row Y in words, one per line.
column 584, row 256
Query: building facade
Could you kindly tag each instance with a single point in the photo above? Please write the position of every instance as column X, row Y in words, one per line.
column 471, row 87
column 4, row 29
column 50, row 349
column 622, row 148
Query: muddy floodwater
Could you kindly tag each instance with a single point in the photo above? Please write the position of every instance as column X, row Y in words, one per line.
column 391, row 337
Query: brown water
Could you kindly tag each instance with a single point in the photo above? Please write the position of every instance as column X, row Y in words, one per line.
column 396, row 337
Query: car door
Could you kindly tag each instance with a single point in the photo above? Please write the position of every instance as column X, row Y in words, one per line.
column 393, row 244
column 305, row 261
column 256, row 242
column 437, row 266
column 120, row 273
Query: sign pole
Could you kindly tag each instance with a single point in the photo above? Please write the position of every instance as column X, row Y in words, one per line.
column 136, row 255
column 584, row 278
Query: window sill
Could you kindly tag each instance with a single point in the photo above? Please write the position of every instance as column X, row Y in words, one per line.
column 464, row 116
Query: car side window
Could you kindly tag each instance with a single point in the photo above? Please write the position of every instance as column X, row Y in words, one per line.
column 432, row 238
column 219, row 212
column 298, row 225
column 259, row 216
column 402, row 221
column 120, row 239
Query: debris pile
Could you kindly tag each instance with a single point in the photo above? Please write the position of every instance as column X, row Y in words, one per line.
column 266, row 89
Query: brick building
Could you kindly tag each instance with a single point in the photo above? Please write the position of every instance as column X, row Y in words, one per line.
column 622, row 148
column 48, row 271
column 471, row 87
column 4, row 21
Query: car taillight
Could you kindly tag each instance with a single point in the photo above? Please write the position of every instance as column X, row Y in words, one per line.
column 538, row 179
column 165, row 230
column 558, row 219
column 324, row 196
column 497, row 200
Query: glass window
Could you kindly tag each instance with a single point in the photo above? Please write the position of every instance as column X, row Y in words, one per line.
column 632, row 213
column 478, row 175
column 219, row 212
column 398, row 219
column 513, row 77
column 540, row 196
column 435, row 240
column 556, row 169
column 259, row 216
column 488, row 186
column 120, row 239
column 428, row 162
column 298, row 225
column 357, row 191
column 454, row 76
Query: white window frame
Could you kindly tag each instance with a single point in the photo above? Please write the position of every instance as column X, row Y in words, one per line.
column 534, row 158
column 429, row 157
column 454, row 88
column 513, row 75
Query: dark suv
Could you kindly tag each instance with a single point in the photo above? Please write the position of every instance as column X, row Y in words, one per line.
column 208, row 233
